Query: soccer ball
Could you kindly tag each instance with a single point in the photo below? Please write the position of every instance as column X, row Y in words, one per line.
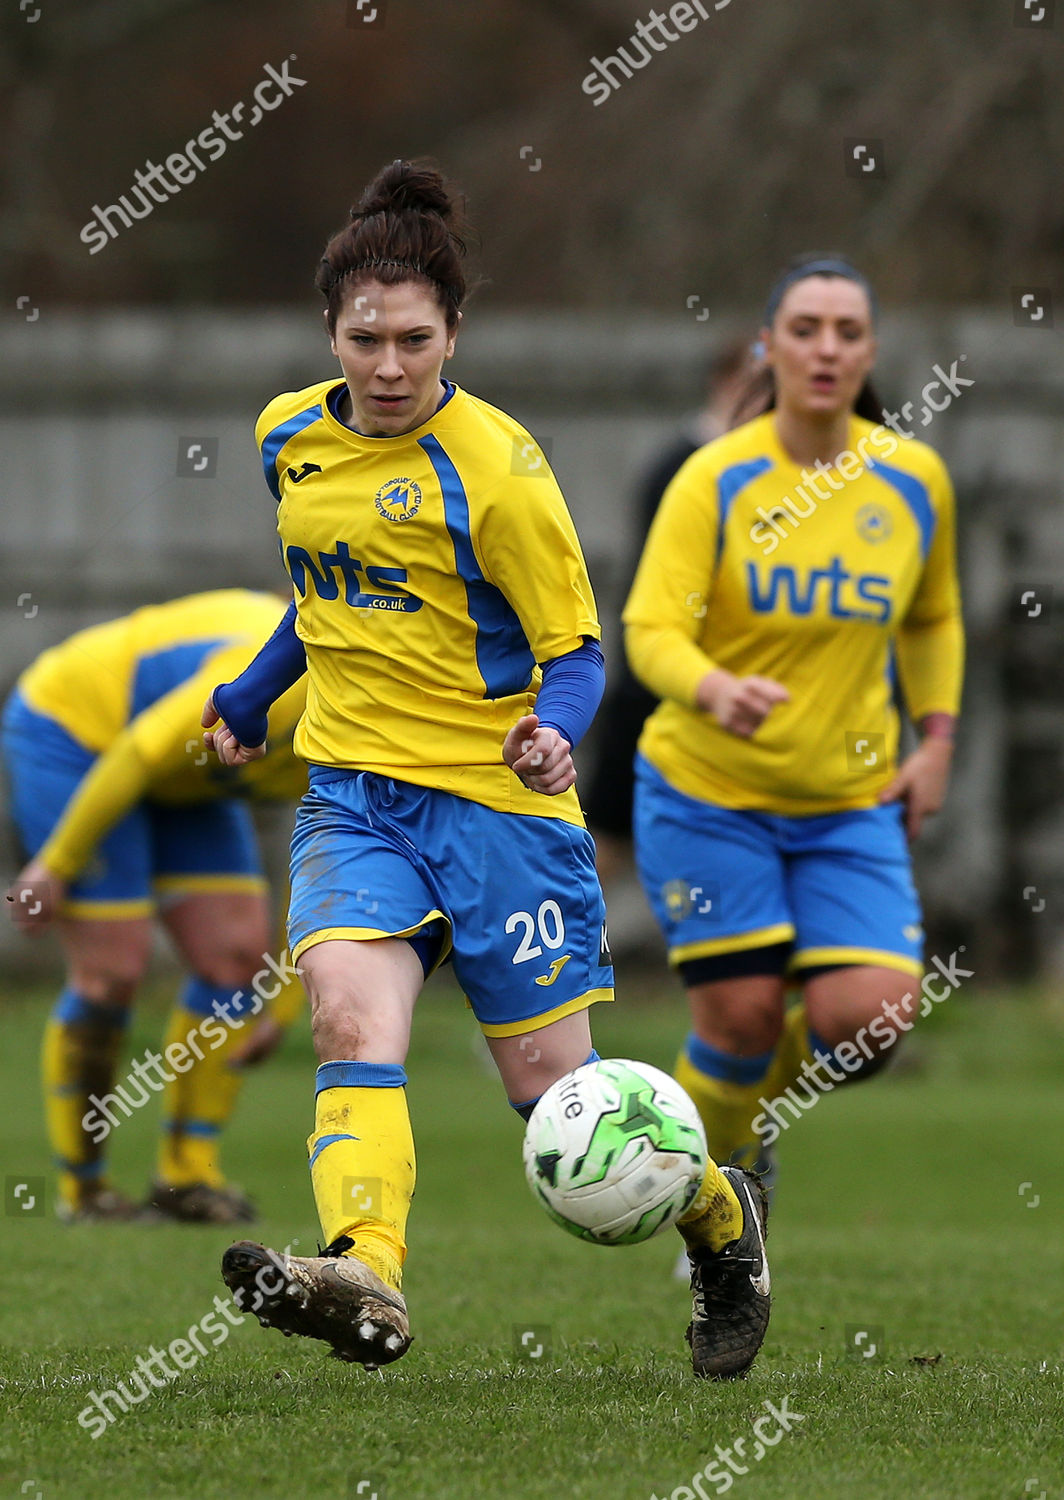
column 615, row 1151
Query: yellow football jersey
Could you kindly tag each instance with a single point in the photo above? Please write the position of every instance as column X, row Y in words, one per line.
column 433, row 572
column 146, row 676
column 821, row 579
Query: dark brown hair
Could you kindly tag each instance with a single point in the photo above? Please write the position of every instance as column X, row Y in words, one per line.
column 403, row 228
column 759, row 394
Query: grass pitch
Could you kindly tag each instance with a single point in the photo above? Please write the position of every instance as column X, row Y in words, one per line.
column 923, row 1210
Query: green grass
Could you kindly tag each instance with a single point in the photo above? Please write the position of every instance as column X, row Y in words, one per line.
column 900, row 1211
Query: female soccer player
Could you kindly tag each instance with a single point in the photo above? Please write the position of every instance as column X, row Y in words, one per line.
column 125, row 814
column 795, row 563
column 445, row 618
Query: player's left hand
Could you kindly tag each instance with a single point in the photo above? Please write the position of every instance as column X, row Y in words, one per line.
column 265, row 1038
column 539, row 757
column 921, row 782
column 35, row 896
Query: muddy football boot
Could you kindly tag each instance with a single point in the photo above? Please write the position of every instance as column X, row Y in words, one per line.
column 331, row 1296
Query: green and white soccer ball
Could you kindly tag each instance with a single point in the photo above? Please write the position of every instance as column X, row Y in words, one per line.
column 615, row 1151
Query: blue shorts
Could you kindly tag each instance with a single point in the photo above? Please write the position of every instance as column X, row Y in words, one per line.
column 515, row 899
column 156, row 849
column 838, row 887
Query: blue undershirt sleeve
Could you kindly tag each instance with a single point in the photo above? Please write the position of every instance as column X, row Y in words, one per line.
column 245, row 702
column 572, row 691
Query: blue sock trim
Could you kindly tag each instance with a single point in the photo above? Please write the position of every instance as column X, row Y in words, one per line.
column 725, row 1065
column 192, row 1127
column 591, row 1057
column 328, row 1140
column 73, row 1009
column 84, row 1171
column 359, row 1075
column 864, row 1068
column 820, row 1048
column 200, row 997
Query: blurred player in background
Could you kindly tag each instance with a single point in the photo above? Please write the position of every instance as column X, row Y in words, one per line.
column 793, row 565
column 445, row 617
column 126, row 816
column 607, row 795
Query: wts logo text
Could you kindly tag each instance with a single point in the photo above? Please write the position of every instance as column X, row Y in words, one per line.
column 366, row 586
column 833, row 588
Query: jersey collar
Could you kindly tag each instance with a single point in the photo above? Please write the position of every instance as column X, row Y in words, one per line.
column 330, row 407
column 782, row 459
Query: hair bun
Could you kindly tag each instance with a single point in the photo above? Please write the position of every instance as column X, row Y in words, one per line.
column 405, row 187
column 406, row 226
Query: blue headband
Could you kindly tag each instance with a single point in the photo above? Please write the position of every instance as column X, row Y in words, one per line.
column 825, row 267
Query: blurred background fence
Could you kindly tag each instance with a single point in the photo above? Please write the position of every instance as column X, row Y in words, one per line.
column 130, row 475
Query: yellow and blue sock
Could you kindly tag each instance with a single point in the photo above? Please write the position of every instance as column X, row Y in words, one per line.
column 791, row 1051
column 799, row 1049
column 726, row 1089
column 715, row 1218
column 198, row 1103
column 362, row 1162
column 79, row 1058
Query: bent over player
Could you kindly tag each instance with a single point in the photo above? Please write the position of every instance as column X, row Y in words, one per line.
column 444, row 615
column 798, row 568
column 127, row 817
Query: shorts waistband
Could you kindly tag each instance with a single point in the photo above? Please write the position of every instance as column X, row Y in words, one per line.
column 322, row 775
column 49, row 736
column 376, row 793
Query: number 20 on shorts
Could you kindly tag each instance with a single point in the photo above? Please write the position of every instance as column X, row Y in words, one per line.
column 548, row 925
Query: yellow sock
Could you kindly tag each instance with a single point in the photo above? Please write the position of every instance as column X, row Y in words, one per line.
column 362, row 1162
column 715, row 1218
column 726, row 1091
column 792, row 1050
column 79, row 1057
column 198, row 1103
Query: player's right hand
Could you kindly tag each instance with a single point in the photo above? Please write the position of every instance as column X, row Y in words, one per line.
column 739, row 704
column 35, row 896
column 221, row 739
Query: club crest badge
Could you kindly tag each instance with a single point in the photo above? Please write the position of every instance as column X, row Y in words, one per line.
column 398, row 500
column 874, row 523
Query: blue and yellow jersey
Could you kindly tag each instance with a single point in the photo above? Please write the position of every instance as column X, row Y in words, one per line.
column 433, row 573
column 132, row 690
column 825, row 581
